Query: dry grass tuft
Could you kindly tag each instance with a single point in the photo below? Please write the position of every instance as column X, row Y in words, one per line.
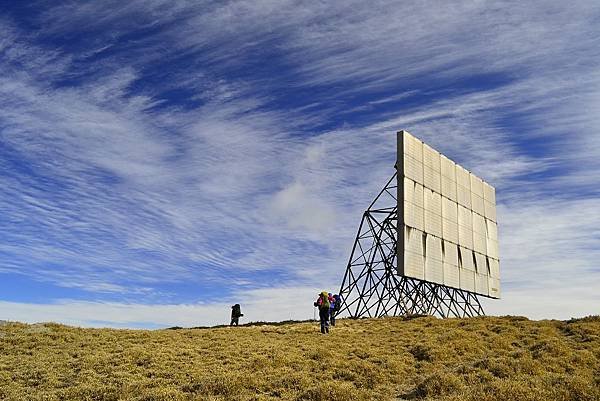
column 421, row 358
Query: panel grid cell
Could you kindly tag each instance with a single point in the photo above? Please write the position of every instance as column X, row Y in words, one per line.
column 490, row 210
column 476, row 185
column 432, row 179
column 433, row 223
column 479, row 224
column 494, row 267
column 413, row 147
column 434, row 270
column 448, row 168
column 463, row 177
column 413, row 169
column 477, row 204
column 433, row 201
column 491, row 230
column 449, row 188
column 467, row 280
column 481, row 284
column 465, row 217
column 449, row 210
column 414, row 216
column 433, row 247
column 451, row 275
column 481, row 263
column 479, row 243
column 450, row 230
column 413, row 192
column 431, row 158
column 494, row 287
column 489, row 193
column 463, row 196
column 450, row 253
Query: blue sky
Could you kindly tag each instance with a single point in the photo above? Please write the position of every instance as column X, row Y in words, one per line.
column 160, row 160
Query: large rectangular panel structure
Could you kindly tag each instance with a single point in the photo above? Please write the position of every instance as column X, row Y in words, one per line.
column 447, row 228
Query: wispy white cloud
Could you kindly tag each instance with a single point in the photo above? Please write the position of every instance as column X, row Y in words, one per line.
column 116, row 173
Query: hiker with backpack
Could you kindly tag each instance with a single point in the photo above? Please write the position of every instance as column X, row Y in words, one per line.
column 335, row 307
column 331, row 309
column 236, row 313
column 323, row 304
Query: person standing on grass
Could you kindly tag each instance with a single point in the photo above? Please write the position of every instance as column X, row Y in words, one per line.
column 331, row 309
column 323, row 304
column 236, row 313
column 335, row 308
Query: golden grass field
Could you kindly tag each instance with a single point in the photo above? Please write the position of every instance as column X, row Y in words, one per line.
column 489, row 358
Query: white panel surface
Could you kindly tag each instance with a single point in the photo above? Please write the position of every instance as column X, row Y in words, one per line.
column 433, row 223
column 477, row 204
column 490, row 211
column 479, row 224
column 479, row 234
column 450, row 230
column 494, row 267
column 449, row 188
column 489, row 193
column 491, row 230
column 432, row 179
column 466, row 258
column 467, row 280
column 463, row 196
column 413, row 192
column 450, row 253
column 481, row 264
column 465, row 217
column 494, row 288
column 479, row 243
column 448, row 168
column 451, row 275
column 481, row 284
column 492, row 248
column 413, row 169
column 476, row 185
column 433, row 212
column 447, row 208
column 413, row 147
column 465, row 236
column 463, row 177
column 431, row 158
column 414, row 265
column 434, row 270
column 433, row 248
column 414, row 216
column 413, row 240
column 433, row 201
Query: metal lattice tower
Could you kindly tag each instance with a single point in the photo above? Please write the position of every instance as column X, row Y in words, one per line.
column 372, row 286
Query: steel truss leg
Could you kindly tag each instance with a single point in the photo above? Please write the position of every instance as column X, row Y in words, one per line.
column 372, row 287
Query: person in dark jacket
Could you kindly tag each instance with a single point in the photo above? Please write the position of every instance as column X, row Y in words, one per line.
column 236, row 313
column 331, row 309
column 335, row 307
column 323, row 304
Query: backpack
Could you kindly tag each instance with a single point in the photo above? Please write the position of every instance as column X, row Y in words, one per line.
column 237, row 310
column 324, row 301
column 338, row 302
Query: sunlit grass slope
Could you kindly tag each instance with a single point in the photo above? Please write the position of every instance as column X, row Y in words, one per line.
column 488, row 358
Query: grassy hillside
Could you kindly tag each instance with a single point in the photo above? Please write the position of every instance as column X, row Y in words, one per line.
column 489, row 358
